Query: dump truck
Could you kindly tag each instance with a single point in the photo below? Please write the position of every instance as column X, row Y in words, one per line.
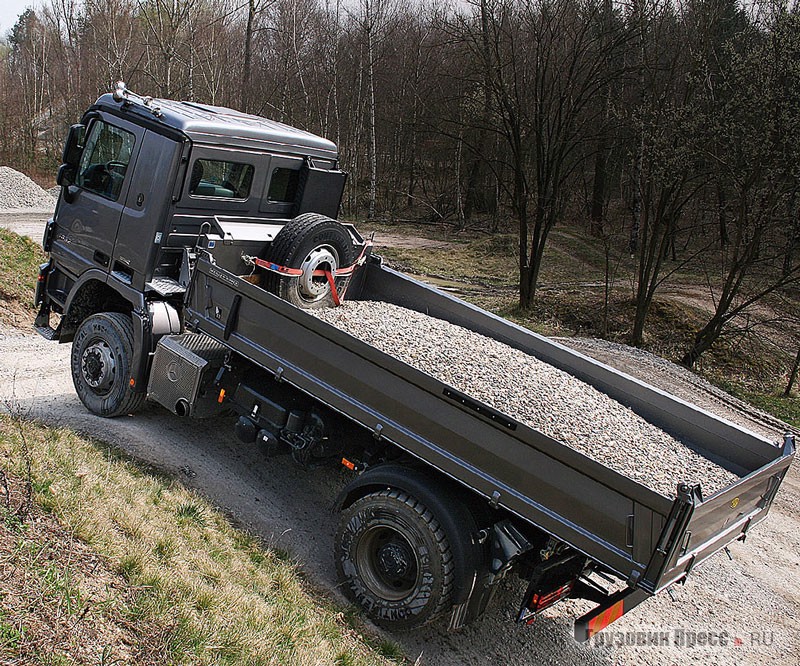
column 188, row 250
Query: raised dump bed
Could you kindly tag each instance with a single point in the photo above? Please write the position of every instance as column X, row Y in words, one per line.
column 647, row 538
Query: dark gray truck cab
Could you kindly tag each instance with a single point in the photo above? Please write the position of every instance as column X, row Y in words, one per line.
column 142, row 178
column 187, row 244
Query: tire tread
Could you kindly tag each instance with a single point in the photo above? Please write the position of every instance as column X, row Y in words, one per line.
column 132, row 401
column 129, row 402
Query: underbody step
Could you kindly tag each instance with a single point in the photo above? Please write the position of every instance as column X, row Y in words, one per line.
column 165, row 286
column 47, row 332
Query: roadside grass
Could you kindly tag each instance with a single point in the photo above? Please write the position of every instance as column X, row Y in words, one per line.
column 170, row 581
column 786, row 409
column 61, row 603
column 19, row 268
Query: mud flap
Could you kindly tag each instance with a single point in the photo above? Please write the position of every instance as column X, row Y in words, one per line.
column 614, row 607
column 142, row 343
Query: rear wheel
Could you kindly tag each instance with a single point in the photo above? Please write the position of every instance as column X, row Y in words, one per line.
column 394, row 560
column 101, row 365
column 310, row 242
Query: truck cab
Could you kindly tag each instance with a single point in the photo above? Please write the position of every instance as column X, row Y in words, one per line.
column 144, row 181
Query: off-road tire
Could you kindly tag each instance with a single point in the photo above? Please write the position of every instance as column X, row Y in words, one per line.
column 103, row 349
column 371, row 523
column 293, row 246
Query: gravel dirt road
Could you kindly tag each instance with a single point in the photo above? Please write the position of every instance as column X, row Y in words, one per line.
column 748, row 607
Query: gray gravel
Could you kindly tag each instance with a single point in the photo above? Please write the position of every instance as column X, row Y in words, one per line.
column 680, row 382
column 18, row 191
column 533, row 392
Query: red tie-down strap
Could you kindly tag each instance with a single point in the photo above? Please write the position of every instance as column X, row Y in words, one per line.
column 331, row 276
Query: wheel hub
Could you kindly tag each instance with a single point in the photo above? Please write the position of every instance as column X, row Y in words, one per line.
column 98, row 366
column 313, row 287
column 394, row 560
column 387, row 563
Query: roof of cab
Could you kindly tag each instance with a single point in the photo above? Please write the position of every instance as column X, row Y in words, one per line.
column 215, row 124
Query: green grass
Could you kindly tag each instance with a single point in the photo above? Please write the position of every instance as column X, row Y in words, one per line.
column 10, row 636
column 222, row 597
column 786, row 409
column 19, row 267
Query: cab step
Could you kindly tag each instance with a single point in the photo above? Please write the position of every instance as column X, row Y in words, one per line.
column 47, row 332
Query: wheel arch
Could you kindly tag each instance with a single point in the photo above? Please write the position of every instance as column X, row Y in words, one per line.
column 94, row 293
column 457, row 510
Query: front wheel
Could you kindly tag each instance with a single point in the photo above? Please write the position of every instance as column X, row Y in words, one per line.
column 101, row 365
column 394, row 560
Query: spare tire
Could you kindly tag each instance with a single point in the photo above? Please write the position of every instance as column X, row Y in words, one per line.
column 310, row 242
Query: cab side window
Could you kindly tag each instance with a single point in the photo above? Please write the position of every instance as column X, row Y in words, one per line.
column 283, row 185
column 105, row 160
column 221, row 179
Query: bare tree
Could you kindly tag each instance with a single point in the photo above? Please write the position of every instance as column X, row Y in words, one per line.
column 166, row 37
column 754, row 149
column 546, row 71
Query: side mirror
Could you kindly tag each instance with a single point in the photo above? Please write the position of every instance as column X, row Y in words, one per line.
column 70, row 192
column 66, row 178
column 65, row 175
column 74, row 145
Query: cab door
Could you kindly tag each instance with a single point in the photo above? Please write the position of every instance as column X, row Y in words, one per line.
column 87, row 224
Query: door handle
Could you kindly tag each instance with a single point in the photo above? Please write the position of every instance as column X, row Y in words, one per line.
column 101, row 258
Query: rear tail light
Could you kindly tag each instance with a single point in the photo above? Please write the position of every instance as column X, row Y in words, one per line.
column 538, row 601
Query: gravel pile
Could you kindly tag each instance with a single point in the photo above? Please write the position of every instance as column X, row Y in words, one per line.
column 680, row 382
column 535, row 393
column 19, row 191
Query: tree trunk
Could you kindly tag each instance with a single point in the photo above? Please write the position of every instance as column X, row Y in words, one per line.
column 521, row 209
column 703, row 341
column 793, row 375
column 638, row 161
column 476, row 197
column 722, row 215
column 601, row 158
column 373, row 143
column 248, row 56
column 598, row 189
column 461, row 223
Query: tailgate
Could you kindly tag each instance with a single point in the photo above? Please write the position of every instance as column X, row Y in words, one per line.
column 697, row 528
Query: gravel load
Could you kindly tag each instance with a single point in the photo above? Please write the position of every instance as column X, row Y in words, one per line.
column 533, row 392
column 680, row 382
column 19, row 191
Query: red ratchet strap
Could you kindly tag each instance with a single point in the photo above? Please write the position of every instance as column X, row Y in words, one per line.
column 329, row 275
